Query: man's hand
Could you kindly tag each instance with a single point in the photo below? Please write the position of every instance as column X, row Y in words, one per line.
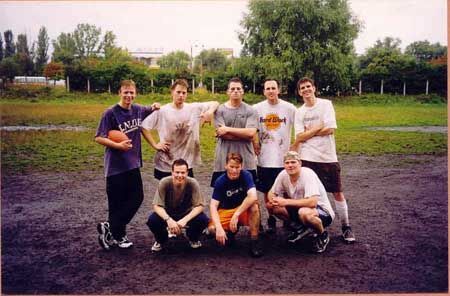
column 163, row 146
column 234, row 223
column 173, row 226
column 182, row 223
column 156, row 106
column 315, row 127
column 257, row 148
column 279, row 202
column 221, row 131
column 206, row 117
column 221, row 236
column 125, row 145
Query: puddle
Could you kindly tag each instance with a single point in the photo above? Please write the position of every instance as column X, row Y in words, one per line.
column 422, row 129
column 13, row 128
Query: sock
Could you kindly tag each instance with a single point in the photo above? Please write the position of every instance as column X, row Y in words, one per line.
column 342, row 211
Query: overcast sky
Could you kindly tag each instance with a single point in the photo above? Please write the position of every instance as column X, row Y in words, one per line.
column 177, row 25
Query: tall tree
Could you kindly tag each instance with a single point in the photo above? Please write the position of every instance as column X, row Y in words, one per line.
column 10, row 49
column 64, row 48
column 1, row 48
column 303, row 37
column 23, row 56
column 211, row 60
column 87, row 40
column 177, row 60
column 41, row 56
column 425, row 51
column 108, row 45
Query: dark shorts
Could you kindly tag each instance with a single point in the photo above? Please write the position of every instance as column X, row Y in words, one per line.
column 323, row 215
column 329, row 174
column 216, row 175
column 160, row 174
column 265, row 178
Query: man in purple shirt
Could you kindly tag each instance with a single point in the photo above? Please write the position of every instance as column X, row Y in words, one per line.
column 122, row 163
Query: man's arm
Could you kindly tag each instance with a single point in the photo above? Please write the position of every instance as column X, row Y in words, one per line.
column 172, row 224
column 208, row 115
column 124, row 145
column 191, row 215
column 235, row 133
column 308, row 202
column 221, row 236
column 161, row 146
column 249, row 200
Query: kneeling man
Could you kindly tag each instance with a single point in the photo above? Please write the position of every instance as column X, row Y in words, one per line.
column 178, row 204
column 234, row 203
column 299, row 196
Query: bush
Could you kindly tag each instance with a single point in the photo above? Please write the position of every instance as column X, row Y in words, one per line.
column 26, row 91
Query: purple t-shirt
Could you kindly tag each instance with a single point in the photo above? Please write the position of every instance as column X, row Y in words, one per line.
column 129, row 122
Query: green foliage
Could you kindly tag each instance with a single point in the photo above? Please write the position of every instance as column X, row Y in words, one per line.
column 26, row 91
column 175, row 61
column 294, row 38
column 9, row 68
column 42, row 50
column 64, row 48
column 87, row 40
column 212, row 61
column 425, row 51
column 10, row 48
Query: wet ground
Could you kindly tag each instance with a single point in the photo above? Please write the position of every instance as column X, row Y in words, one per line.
column 398, row 210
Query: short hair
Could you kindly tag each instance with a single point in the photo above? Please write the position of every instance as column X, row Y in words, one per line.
column 234, row 156
column 303, row 80
column 291, row 155
column 270, row 79
column 235, row 79
column 179, row 162
column 127, row 83
column 180, row 82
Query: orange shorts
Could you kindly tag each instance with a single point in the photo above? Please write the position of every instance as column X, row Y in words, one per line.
column 225, row 218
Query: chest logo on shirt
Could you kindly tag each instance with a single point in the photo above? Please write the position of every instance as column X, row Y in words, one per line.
column 272, row 122
column 130, row 125
column 232, row 192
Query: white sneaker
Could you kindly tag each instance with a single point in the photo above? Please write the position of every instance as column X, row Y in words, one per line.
column 195, row 245
column 124, row 243
column 156, row 247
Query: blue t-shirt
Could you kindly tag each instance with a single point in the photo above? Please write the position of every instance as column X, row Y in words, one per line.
column 231, row 193
column 129, row 122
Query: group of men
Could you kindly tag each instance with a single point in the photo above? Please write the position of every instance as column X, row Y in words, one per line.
column 253, row 152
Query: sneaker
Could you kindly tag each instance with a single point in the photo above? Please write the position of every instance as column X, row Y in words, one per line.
column 256, row 249
column 299, row 234
column 156, row 247
column 105, row 238
column 347, row 234
column 195, row 245
column 208, row 234
column 124, row 243
column 271, row 225
column 321, row 242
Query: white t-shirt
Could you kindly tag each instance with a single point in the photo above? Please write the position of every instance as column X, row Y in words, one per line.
column 275, row 124
column 307, row 185
column 179, row 127
column 317, row 148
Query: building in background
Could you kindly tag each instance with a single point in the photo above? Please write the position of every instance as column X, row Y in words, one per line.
column 148, row 56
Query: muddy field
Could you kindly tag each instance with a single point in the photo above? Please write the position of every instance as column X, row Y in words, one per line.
column 397, row 204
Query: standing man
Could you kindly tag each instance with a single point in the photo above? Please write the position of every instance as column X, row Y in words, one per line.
column 178, row 125
column 276, row 120
column 236, row 124
column 234, row 203
column 178, row 204
column 122, row 163
column 298, row 195
column 315, row 123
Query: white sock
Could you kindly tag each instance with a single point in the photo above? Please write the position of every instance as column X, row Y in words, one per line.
column 342, row 211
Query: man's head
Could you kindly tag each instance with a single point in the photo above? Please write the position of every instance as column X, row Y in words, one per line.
column 235, row 89
column 179, row 171
column 233, row 165
column 306, row 88
column 127, row 93
column 179, row 91
column 292, row 163
column 271, row 90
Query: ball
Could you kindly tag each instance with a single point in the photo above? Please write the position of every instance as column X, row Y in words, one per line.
column 117, row 136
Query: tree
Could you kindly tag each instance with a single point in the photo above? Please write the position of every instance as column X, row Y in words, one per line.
column 42, row 50
column 177, row 60
column 23, row 56
column 8, row 68
column 64, row 48
column 54, row 70
column 87, row 40
column 211, row 60
column 303, row 37
column 1, row 48
column 10, row 49
column 108, row 44
column 424, row 51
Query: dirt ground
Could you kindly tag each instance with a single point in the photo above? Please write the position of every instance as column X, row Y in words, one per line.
column 397, row 204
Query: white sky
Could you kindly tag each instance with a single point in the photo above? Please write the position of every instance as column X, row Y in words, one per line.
column 176, row 25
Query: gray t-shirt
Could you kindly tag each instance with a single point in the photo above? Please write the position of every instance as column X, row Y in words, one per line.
column 245, row 116
column 178, row 202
